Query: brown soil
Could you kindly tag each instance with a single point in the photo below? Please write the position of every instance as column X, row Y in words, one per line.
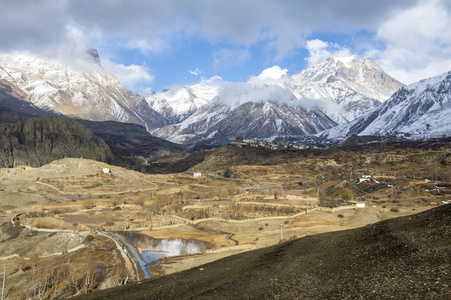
column 406, row 257
column 74, row 194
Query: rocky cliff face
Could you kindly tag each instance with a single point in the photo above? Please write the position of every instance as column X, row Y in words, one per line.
column 131, row 144
column 39, row 141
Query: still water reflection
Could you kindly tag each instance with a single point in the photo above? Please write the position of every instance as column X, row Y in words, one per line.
column 147, row 249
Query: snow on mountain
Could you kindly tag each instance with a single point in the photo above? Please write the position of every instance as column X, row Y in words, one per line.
column 81, row 89
column 261, row 120
column 343, row 88
column 176, row 104
column 333, row 92
column 269, row 105
column 356, row 85
column 422, row 109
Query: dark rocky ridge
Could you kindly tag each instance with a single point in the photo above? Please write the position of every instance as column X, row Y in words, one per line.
column 39, row 141
column 403, row 258
column 132, row 145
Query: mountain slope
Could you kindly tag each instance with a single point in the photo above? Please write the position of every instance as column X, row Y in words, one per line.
column 406, row 257
column 132, row 145
column 264, row 120
column 356, row 85
column 39, row 141
column 176, row 104
column 422, row 109
column 273, row 104
column 82, row 89
column 15, row 105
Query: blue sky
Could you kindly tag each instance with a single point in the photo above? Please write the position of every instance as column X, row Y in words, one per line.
column 151, row 44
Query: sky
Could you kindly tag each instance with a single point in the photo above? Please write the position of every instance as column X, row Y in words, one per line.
column 150, row 45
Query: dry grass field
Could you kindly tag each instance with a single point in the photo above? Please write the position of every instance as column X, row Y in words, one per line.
column 54, row 217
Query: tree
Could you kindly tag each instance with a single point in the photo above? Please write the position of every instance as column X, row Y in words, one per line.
column 345, row 194
column 229, row 173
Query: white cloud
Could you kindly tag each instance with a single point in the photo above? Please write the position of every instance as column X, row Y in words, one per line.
column 319, row 51
column 234, row 94
column 414, row 35
column 268, row 76
column 154, row 25
column 195, row 72
column 417, row 42
column 132, row 76
column 215, row 80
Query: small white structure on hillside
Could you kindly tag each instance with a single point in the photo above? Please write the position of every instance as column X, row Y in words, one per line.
column 106, row 170
column 360, row 205
column 197, row 174
column 365, row 178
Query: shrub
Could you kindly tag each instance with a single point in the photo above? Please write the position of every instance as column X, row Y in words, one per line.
column 286, row 222
column 394, row 209
column 345, row 194
column 340, row 216
column 229, row 173
column 89, row 238
column 117, row 208
column 260, row 228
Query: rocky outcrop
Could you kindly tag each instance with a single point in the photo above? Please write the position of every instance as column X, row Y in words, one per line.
column 39, row 141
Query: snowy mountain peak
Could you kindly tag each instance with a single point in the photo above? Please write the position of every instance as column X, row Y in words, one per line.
column 92, row 53
column 76, row 85
column 421, row 109
column 347, row 60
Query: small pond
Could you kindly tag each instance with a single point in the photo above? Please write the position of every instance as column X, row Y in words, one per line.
column 148, row 249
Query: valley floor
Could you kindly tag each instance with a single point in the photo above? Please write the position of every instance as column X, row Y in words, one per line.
column 55, row 217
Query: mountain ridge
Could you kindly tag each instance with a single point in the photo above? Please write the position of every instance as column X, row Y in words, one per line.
column 80, row 89
column 318, row 98
column 421, row 109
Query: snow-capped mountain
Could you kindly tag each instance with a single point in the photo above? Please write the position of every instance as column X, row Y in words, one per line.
column 333, row 92
column 422, row 109
column 176, row 104
column 81, row 89
column 262, row 120
column 270, row 105
column 356, row 85
column 15, row 99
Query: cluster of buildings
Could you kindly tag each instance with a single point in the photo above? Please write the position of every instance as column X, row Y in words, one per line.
column 241, row 142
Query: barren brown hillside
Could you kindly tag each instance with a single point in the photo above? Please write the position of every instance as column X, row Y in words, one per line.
column 406, row 257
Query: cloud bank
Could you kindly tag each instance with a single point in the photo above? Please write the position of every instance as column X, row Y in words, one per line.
column 410, row 38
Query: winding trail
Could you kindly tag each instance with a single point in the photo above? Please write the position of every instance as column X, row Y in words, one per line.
column 230, row 237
